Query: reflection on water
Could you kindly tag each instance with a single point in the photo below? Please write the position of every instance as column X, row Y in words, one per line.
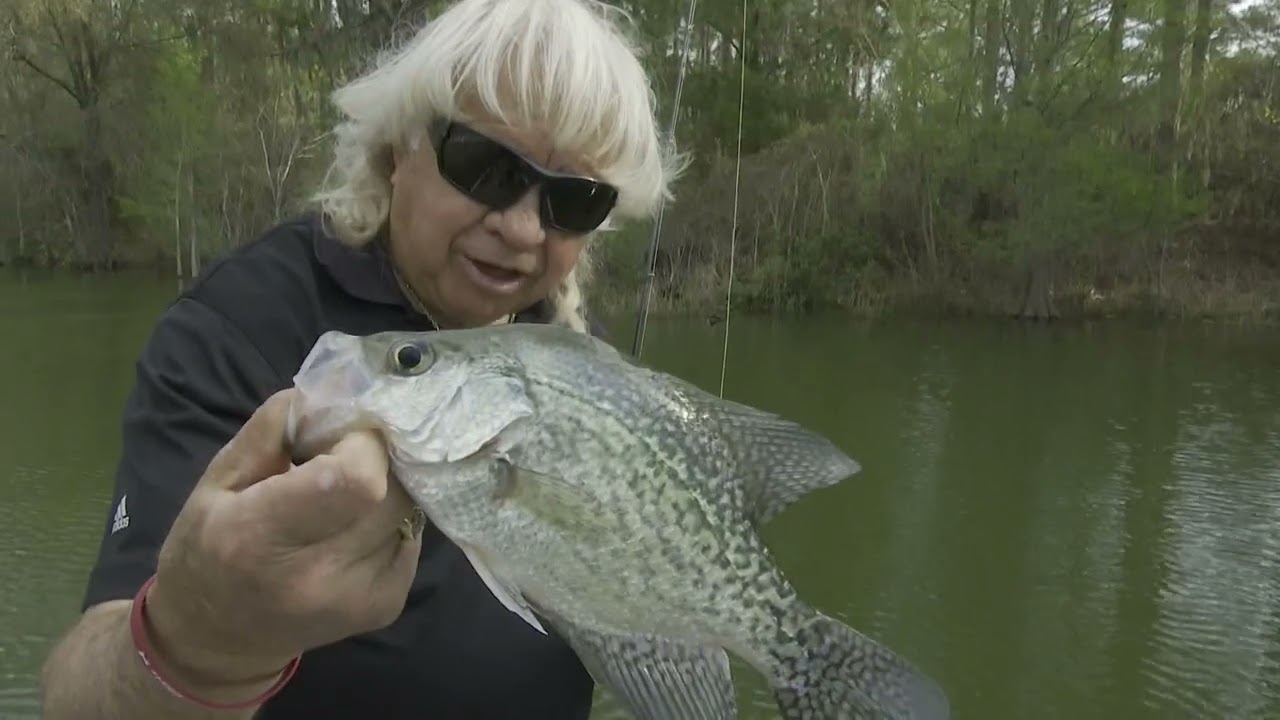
column 41, row 565
column 1056, row 523
column 1215, row 638
column 1067, row 522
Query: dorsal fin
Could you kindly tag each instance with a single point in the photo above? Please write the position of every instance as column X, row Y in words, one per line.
column 779, row 461
column 776, row 460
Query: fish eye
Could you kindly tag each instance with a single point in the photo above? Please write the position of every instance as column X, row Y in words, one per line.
column 408, row 358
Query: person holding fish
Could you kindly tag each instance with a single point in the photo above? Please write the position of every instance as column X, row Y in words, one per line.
column 473, row 169
column 262, row 557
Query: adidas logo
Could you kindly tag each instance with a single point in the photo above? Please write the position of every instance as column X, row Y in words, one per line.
column 121, row 519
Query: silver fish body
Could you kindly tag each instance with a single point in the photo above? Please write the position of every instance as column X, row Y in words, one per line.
column 618, row 505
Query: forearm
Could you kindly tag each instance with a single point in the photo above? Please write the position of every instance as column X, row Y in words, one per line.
column 94, row 673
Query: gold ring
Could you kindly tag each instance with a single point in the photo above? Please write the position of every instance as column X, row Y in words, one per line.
column 411, row 527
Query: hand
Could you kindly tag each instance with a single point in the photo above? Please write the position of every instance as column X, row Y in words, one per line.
column 266, row 560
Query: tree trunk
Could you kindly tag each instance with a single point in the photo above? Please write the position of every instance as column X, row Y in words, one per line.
column 1115, row 40
column 1172, row 43
column 99, row 190
column 1037, row 299
column 1196, row 84
column 1024, row 18
column 991, row 43
column 1046, row 52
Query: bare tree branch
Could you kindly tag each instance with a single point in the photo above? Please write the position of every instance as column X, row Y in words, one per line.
column 23, row 58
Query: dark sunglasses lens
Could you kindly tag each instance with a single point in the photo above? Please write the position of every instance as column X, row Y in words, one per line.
column 493, row 175
column 483, row 169
column 578, row 205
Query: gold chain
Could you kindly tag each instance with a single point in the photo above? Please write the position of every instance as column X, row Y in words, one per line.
column 414, row 300
column 421, row 307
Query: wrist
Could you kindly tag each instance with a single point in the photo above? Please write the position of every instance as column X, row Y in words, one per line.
column 182, row 653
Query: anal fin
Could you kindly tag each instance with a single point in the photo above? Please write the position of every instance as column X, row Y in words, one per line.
column 658, row 679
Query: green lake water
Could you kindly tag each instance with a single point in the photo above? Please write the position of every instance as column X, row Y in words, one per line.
column 1079, row 521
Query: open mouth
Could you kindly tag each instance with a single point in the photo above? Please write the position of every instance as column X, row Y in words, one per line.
column 495, row 277
column 500, row 274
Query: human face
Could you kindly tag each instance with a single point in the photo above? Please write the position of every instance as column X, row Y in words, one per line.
column 469, row 263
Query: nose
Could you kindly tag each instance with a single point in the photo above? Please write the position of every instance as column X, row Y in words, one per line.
column 520, row 224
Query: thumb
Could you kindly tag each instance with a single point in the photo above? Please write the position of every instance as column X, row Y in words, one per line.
column 258, row 450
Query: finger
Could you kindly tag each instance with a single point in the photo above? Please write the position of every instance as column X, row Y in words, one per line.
column 364, row 460
column 257, row 451
column 311, row 503
column 384, row 580
column 364, row 457
column 404, row 562
column 396, row 576
column 383, row 524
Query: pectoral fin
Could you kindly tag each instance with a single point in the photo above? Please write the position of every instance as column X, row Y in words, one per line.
column 510, row 597
column 658, row 679
column 554, row 499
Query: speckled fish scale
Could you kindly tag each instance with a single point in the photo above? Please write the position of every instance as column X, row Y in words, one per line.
column 619, row 506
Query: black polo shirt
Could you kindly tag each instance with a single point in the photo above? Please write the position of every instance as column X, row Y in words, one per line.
column 233, row 339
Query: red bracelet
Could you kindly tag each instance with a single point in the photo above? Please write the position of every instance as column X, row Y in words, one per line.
column 138, row 629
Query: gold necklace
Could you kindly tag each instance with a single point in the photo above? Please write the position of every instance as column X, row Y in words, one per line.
column 421, row 307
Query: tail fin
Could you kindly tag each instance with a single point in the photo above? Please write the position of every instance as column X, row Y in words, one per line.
column 840, row 674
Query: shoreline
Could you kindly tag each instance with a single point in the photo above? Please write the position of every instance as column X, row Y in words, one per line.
column 1220, row 303
column 1184, row 299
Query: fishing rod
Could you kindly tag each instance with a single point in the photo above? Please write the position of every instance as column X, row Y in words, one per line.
column 637, row 342
column 737, row 178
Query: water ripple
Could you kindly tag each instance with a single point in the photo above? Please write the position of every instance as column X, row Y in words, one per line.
column 1220, row 600
column 47, row 546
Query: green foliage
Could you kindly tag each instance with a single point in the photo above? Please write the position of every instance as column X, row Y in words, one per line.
column 920, row 184
column 892, row 151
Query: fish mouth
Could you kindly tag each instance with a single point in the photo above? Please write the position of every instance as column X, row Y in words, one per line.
column 330, row 386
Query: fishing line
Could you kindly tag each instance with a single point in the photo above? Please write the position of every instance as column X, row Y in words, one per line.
column 737, row 177
column 637, row 342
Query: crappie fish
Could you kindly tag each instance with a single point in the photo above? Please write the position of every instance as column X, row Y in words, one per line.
column 614, row 505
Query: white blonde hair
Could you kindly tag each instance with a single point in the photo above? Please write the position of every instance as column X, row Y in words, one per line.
column 565, row 66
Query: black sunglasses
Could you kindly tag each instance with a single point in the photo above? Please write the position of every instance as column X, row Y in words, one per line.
column 497, row 176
